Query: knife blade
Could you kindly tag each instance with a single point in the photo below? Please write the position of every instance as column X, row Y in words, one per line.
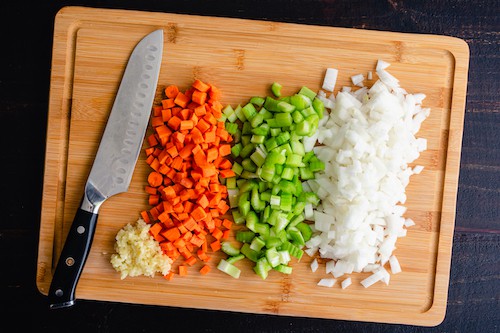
column 114, row 162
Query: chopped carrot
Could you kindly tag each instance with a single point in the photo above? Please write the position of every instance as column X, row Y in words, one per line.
column 226, row 234
column 145, row 216
column 171, row 91
column 191, row 260
column 200, row 86
column 205, row 269
column 169, row 276
column 227, row 223
column 217, row 233
column 172, row 234
column 187, row 154
column 181, row 100
column 215, row 245
column 155, row 179
column 183, row 270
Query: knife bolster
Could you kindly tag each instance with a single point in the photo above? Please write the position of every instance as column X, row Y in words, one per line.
column 92, row 199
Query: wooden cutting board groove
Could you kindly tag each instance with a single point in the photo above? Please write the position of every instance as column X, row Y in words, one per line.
column 243, row 57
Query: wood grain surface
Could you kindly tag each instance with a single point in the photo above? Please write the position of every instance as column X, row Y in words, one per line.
column 242, row 58
column 473, row 300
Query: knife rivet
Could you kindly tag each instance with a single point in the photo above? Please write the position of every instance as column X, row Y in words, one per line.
column 70, row 261
column 59, row 293
column 80, row 229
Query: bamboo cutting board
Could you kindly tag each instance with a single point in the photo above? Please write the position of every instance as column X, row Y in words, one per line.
column 242, row 58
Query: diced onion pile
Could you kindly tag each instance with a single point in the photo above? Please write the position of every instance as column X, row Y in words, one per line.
column 367, row 143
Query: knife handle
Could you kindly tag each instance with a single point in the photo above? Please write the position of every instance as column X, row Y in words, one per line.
column 72, row 260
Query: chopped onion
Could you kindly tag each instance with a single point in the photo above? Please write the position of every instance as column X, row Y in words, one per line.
column 382, row 65
column 409, row 222
column 327, row 282
column 372, row 279
column 357, row 80
column 367, row 144
column 346, row 283
column 395, row 267
column 314, row 265
column 330, row 79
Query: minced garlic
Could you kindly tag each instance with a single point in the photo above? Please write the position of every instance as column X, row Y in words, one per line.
column 138, row 253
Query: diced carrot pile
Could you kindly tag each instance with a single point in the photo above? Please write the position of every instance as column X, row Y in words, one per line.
column 187, row 152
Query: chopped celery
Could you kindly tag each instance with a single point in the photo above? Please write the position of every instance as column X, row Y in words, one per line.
column 248, row 175
column 284, row 269
column 257, row 120
column 307, row 92
column 273, row 257
column 245, row 236
column 236, row 258
column 297, row 116
column 236, row 149
column 231, row 128
column 271, row 104
column 296, row 236
column 259, row 101
column 229, row 268
column 249, row 253
column 273, row 242
column 249, row 111
column 247, row 150
column 237, row 168
column 262, row 268
column 276, row 89
column 261, row 130
column 257, row 139
column 270, row 166
column 305, row 230
column 229, row 249
column 248, row 165
column 292, row 249
column 284, row 257
column 231, row 182
column 275, row 131
column 262, row 229
column 282, row 138
column 237, row 217
column 286, row 107
column 266, row 114
column 319, row 107
column 239, row 113
column 283, row 119
column 257, row 244
column 300, row 101
column 247, row 128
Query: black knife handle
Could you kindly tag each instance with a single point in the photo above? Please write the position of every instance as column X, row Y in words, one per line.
column 72, row 260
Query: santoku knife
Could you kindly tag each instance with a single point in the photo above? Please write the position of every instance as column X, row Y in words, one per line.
column 114, row 162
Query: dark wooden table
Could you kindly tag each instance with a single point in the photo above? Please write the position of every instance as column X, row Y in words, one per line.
column 27, row 28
